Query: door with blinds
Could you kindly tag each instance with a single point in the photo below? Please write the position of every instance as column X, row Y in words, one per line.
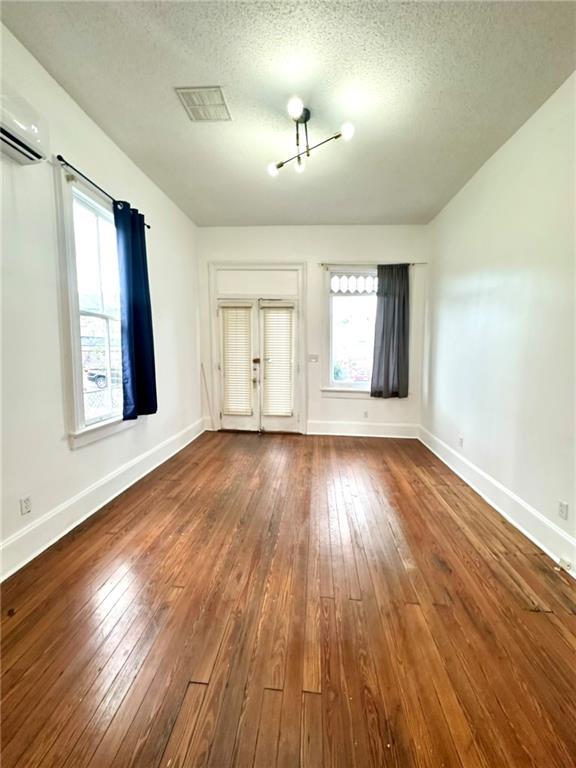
column 258, row 365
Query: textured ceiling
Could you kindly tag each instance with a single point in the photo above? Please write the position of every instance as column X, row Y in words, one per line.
column 433, row 89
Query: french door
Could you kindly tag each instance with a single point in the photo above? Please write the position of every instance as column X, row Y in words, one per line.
column 258, row 365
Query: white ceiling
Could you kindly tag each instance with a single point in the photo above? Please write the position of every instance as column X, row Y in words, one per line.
column 432, row 88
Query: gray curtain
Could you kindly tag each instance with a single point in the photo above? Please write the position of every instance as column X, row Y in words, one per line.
column 390, row 369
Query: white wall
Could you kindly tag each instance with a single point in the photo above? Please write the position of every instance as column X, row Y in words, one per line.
column 500, row 364
column 65, row 485
column 313, row 245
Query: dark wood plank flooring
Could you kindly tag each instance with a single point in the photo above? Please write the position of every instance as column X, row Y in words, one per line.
column 287, row 601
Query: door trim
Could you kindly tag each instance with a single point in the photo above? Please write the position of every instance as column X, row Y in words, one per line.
column 299, row 299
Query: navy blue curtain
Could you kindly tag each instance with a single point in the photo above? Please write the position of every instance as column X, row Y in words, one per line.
column 138, row 367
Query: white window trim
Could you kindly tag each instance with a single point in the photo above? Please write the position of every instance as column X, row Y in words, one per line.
column 359, row 394
column 79, row 433
column 94, row 432
column 329, row 388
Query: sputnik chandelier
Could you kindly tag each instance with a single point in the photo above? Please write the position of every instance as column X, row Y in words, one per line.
column 301, row 116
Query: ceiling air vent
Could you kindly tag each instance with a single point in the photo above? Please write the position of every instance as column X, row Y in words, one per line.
column 205, row 104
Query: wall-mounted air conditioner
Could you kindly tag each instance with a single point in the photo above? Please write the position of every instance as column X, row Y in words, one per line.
column 23, row 132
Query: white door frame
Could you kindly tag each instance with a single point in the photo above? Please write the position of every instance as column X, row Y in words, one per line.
column 299, row 298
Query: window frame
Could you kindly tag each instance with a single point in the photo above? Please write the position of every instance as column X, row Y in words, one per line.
column 331, row 387
column 80, row 431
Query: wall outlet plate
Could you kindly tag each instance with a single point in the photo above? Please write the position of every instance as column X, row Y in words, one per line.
column 25, row 505
column 563, row 510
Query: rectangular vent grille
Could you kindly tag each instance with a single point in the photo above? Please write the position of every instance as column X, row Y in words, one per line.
column 205, row 104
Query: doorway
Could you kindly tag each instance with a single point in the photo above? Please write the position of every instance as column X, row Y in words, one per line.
column 258, row 365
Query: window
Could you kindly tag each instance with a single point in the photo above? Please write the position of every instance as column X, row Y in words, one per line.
column 352, row 319
column 94, row 303
column 98, row 290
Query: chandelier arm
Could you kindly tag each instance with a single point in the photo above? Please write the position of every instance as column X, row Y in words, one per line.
column 308, row 150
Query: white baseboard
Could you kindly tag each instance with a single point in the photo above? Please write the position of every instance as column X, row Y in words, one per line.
column 554, row 541
column 208, row 425
column 24, row 545
column 362, row 429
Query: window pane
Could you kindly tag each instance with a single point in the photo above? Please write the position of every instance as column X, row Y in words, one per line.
column 102, row 368
column 87, row 266
column 109, row 267
column 115, row 367
column 361, row 282
column 96, row 367
column 353, row 319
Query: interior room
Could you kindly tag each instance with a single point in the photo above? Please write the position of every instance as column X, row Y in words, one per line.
column 288, row 384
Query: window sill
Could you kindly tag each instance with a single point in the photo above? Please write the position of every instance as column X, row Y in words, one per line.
column 98, row 432
column 346, row 392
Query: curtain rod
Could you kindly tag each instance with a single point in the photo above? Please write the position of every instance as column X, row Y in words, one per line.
column 65, row 162
column 359, row 265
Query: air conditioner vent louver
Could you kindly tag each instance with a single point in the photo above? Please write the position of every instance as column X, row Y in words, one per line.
column 204, row 104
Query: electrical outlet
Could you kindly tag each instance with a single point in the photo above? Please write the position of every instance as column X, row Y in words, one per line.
column 563, row 510
column 460, row 442
column 25, row 505
column 565, row 564
column 365, row 414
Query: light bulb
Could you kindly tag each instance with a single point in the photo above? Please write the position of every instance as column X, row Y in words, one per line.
column 295, row 107
column 299, row 165
column 272, row 169
column 347, row 131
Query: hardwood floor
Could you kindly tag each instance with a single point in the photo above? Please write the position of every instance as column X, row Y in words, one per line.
column 284, row 600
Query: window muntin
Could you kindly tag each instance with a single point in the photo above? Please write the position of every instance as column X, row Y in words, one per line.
column 98, row 292
column 352, row 320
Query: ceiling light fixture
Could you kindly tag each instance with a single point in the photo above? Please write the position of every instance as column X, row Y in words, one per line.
column 301, row 116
